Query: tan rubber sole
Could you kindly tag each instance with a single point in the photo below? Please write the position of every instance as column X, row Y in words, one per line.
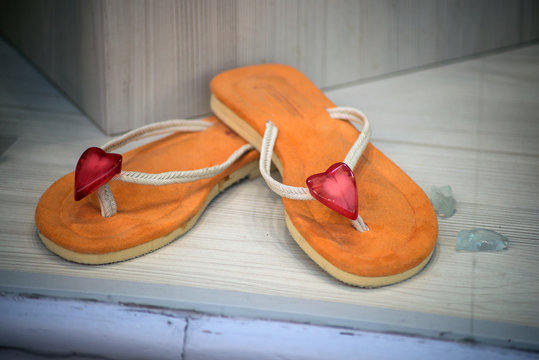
column 243, row 129
column 250, row 171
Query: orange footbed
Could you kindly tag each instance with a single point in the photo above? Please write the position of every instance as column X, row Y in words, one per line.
column 145, row 213
column 403, row 225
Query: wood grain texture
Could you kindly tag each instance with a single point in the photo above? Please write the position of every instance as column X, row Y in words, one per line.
column 472, row 125
column 45, row 328
column 407, row 34
column 530, row 20
column 129, row 63
column 65, row 40
column 214, row 338
column 51, row 329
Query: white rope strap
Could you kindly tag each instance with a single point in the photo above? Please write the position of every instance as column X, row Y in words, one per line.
column 302, row 193
column 354, row 115
column 163, row 127
column 266, row 151
column 177, row 177
column 106, row 199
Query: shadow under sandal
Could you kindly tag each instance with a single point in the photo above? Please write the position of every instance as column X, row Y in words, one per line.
column 116, row 207
column 349, row 207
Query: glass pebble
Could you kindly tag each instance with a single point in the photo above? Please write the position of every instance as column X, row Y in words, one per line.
column 442, row 200
column 481, row 240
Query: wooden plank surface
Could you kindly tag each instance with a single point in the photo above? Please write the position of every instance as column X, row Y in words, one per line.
column 48, row 328
column 45, row 328
column 473, row 125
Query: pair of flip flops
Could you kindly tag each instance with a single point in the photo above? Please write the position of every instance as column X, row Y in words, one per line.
column 351, row 209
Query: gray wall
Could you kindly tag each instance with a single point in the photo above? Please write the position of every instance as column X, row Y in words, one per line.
column 128, row 63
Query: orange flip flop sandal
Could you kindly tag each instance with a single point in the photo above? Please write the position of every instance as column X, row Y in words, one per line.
column 372, row 225
column 86, row 217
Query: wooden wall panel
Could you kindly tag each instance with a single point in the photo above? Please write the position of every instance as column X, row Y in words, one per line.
column 65, row 40
column 401, row 35
column 530, row 20
column 128, row 63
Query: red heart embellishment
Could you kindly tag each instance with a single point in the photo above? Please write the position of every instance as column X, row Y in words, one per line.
column 336, row 188
column 94, row 169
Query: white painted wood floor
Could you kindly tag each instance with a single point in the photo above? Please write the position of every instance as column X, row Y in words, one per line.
column 473, row 125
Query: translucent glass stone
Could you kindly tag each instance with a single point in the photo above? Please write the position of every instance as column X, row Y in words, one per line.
column 336, row 188
column 94, row 169
column 481, row 240
column 442, row 200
